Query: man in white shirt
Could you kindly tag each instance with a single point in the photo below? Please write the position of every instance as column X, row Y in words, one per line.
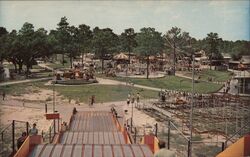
column 33, row 130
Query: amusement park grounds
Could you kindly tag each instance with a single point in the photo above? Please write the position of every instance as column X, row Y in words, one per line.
column 171, row 83
column 103, row 93
column 109, row 93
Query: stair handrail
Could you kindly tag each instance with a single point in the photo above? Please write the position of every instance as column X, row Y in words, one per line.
column 225, row 143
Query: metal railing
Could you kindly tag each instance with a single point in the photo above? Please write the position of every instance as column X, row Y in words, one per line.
column 10, row 135
column 246, row 126
column 179, row 141
column 54, row 129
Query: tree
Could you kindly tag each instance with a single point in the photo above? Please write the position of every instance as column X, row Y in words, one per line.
column 84, row 37
column 127, row 41
column 212, row 47
column 33, row 44
column 149, row 42
column 72, row 46
column 53, row 43
column 3, row 37
column 104, row 42
column 63, row 36
column 178, row 41
column 14, row 50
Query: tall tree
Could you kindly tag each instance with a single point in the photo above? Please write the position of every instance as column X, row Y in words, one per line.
column 212, row 47
column 178, row 41
column 104, row 42
column 63, row 36
column 127, row 41
column 3, row 37
column 72, row 47
column 84, row 38
column 149, row 42
column 13, row 50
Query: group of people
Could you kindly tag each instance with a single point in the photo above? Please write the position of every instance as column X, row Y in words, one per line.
column 33, row 131
column 131, row 99
column 164, row 94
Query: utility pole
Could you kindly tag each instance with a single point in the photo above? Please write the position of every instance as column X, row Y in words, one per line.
column 191, row 111
column 174, row 58
column 54, row 95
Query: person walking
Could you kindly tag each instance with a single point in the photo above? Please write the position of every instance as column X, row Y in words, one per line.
column 128, row 99
column 4, row 95
column 137, row 99
column 92, row 100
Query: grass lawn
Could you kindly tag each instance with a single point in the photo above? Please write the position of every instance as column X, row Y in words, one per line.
column 103, row 93
column 172, row 83
column 18, row 89
column 215, row 74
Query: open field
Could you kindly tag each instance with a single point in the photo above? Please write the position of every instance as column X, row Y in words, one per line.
column 103, row 93
column 219, row 76
column 171, row 83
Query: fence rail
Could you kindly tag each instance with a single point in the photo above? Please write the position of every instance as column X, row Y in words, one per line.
column 9, row 136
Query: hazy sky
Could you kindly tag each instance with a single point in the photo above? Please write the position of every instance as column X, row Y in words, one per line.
column 230, row 19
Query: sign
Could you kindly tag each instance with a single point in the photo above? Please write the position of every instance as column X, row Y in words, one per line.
column 50, row 116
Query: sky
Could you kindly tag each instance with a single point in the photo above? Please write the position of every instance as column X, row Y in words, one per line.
column 230, row 19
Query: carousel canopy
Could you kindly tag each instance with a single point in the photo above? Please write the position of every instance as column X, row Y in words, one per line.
column 121, row 56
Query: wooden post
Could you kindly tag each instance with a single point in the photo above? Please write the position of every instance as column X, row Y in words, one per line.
column 223, row 146
column 13, row 136
column 189, row 148
column 169, row 134
column 135, row 135
column 27, row 128
column 156, row 129
column 50, row 134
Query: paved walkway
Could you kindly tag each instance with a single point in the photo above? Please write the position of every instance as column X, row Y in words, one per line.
column 43, row 65
column 114, row 82
column 24, row 81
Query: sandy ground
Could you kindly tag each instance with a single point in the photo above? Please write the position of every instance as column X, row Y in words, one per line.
column 31, row 107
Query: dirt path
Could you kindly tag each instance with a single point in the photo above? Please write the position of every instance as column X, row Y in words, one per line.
column 114, row 82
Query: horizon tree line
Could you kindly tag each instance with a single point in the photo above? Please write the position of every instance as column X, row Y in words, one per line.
column 24, row 46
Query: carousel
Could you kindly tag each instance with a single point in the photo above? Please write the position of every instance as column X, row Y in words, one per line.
column 136, row 69
column 76, row 76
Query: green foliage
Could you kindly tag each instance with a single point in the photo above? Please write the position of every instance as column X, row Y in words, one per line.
column 179, row 40
column 104, row 42
column 127, row 40
column 84, row 37
column 212, row 46
column 149, row 42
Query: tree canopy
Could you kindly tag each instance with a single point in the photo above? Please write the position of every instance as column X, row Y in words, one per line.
column 22, row 47
column 149, row 42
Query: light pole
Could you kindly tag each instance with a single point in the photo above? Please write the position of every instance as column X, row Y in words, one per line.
column 54, row 95
column 244, row 82
column 191, row 110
